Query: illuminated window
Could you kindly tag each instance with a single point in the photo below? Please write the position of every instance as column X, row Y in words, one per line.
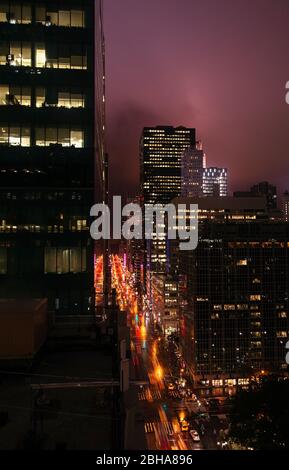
column 40, row 97
column 15, row 136
column 64, row 18
column 61, row 56
column 242, row 262
column 62, row 136
column 16, row 13
column 64, row 260
column 3, row 260
column 281, row 334
column 255, row 297
column 243, row 381
column 282, row 314
column 217, row 307
column 40, row 55
column 77, row 138
column 77, row 18
column 230, row 382
column 15, row 95
column 19, row 54
column 217, row 383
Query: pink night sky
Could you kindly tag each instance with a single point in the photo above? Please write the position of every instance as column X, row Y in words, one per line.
column 217, row 65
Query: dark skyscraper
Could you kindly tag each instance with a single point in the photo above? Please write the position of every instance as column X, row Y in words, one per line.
column 51, row 147
column 193, row 163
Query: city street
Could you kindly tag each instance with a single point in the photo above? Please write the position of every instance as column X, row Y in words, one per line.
column 171, row 415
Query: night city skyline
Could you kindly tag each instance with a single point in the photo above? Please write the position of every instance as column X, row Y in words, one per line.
column 144, row 231
column 227, row 79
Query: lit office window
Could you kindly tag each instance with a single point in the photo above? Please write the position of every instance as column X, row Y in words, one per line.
column 51, row 136
column 64, row 18
column 15, row 13
column 62, row 136
column 3, row 135
column 4, row 95
column 77, row 18
column 15, row 136
column 54, row 17
column 64, row 260
column 4, row 10
column 40, row 137
column 40, row 97
column 77, row 138
column 3, row 260
column 11, row 96
column 15, row 54
column 60, row 56
column 40, row 55
column 71, row 100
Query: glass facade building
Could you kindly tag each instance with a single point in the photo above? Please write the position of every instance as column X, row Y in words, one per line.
column 51, row 149
column 237, row 321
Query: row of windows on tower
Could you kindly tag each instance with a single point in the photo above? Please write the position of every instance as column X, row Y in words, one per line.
column 56, row 260
column 59, row 56
column 21, row 136
column 21, row 13
column 11, row 95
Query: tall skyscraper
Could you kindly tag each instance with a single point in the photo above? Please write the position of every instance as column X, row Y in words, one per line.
column 193, row 163
column 215, row 182
column 161, row 153
column 52, row 151
column 237, row 319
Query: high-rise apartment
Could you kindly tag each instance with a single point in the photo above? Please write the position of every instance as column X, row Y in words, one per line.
column 51, row 149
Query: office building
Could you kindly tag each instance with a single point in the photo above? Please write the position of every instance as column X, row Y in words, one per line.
column 161, row 153
column 237, row 322
column 215, row 182
column 52, row 151
column 193, row 163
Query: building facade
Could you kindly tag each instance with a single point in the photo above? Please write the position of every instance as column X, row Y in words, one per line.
column 51, row 148
column 161, row 153
column 215, row 182
column 193, row 163
column 237, row 322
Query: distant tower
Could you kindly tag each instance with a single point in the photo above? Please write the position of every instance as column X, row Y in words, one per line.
column 215, row 181
column 161, row 153
column 193, row 163
column 285, row 204
column 269, row 191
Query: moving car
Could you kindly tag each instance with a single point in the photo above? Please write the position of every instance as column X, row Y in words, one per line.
column 195, row 435
column 171, row 386
column 184, row 425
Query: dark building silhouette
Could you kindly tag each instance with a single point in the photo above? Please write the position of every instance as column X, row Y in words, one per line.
column 51, row 149
column 262, row 189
